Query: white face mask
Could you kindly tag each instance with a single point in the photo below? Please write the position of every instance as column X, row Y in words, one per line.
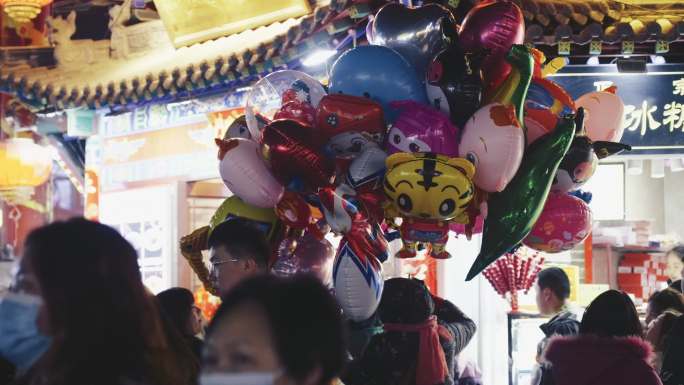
column 253, row 378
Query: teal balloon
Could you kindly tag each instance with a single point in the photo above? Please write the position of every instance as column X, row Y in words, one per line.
column 513, row 212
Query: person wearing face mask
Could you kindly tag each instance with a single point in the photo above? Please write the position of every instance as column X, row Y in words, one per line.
column 79, row 314
column 21, row 341
column 271, row 330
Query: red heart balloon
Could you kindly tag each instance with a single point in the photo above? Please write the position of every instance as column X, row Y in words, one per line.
column 291, row 150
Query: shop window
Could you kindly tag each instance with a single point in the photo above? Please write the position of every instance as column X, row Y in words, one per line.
column 608, row 192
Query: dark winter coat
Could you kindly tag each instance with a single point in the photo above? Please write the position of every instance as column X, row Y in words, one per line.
column 563, row 324
column 6, row 372
column 390, row 357
column 672, row 371
column 591, row 360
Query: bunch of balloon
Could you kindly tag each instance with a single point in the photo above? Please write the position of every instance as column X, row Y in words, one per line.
column 425, row 132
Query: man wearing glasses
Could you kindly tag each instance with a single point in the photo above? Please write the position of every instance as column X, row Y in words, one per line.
column 238, row 250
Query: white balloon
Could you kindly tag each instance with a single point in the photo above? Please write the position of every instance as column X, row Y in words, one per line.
column 358, row 283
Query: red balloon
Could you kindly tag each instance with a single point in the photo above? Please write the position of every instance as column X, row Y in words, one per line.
column 565, row 222
column 300, row 111
column 495, row 26
column 291, row 150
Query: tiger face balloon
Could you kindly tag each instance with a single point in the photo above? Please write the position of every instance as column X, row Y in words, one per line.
column 429, row 186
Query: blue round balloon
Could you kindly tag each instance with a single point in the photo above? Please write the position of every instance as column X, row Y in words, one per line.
column 379, row 73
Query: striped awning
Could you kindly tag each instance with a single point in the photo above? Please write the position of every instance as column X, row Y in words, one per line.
column 172, row 74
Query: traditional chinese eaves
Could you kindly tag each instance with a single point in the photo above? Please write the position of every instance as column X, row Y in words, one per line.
column 549, row 22
column 214, row 66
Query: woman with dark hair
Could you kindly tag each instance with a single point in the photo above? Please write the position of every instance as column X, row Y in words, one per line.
column 178, row 304
column 271, row 330
column 86, row 316
column 609, row 349
column 662, row 301
column 675, row 267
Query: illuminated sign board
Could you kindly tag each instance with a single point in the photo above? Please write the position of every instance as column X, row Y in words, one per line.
column 654, row 102
column 191, row 21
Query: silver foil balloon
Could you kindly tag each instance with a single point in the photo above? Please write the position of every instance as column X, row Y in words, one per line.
column 418, row 34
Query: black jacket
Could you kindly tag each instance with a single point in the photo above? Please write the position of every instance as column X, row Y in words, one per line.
column 390, row 357
column 6, row 372
column 672, row 371
column 563, row 324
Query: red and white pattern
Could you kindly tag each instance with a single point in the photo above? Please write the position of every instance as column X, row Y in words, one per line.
column 514, row 272
column 641, row 274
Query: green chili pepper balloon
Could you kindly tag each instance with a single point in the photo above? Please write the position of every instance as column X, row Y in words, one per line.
column 514, row 90
column 513, row 212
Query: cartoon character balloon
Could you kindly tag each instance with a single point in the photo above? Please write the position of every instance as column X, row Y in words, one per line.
column 349, row 124
column 454, row 83
column 494, row 141
column 420, row 128
column 245, row 173
column 269, row 95
column 579, row 164
column 367, row 171
column 427, row 190
column 418, row 34
column 238, row 129
column 604, row 113
column 378, row 73
column 564, row 223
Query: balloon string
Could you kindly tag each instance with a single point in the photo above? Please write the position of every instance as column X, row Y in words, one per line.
column 15, row 216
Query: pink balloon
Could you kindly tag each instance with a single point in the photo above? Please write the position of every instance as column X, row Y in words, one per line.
column 494, row 141
column 603, row 113
column 420, row 128
column 245, row 173
column 495, row 26
column 564, row 223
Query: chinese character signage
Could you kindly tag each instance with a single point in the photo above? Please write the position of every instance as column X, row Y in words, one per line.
column 654, row 103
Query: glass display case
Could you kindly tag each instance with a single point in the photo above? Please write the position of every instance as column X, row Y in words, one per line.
column 523, row 336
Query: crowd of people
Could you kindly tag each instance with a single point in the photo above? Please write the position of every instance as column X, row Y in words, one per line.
column 77, row 313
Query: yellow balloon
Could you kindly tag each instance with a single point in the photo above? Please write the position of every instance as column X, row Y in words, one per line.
column 554, row 66
column 234, row 207
column 429, row 186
